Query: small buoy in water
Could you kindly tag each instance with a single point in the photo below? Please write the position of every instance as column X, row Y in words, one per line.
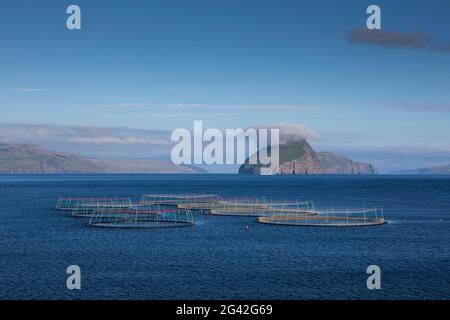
column 247, row 227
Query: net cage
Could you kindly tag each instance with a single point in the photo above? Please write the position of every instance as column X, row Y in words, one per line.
column 141, row 217
column 256, row 207
column 89, row 210
column 302, row 208
column 181, row 201
column 328, row 218
column 71, row 204
column 239, row 207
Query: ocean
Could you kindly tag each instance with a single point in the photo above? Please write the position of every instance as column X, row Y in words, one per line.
column 227, row 257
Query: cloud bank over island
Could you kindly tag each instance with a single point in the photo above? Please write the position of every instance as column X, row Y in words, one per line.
column 292, row 132
column 103, row 142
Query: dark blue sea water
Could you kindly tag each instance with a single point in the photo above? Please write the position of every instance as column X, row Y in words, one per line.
column 219, row 258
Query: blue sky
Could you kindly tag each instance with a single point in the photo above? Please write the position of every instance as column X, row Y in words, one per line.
column 160, row 65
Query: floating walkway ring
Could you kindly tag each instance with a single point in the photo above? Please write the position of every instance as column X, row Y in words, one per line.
column 138, row 218
column 367, row 217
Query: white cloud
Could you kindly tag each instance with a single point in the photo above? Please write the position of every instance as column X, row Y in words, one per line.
column 99, row 142
column 117, row 140
column 292, row 131
column 40, row 133
column 261, row 107
column 25, row 89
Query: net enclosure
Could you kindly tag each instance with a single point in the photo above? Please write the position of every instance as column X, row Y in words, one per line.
column 330, row 218
column 182, row 201
column 69, row 204
column 141, row 217
column 255, row 207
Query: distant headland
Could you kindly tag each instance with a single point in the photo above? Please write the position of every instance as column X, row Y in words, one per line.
column 32, row 159
column 433, row 170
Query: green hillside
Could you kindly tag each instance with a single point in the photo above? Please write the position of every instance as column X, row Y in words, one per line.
column 22, row 159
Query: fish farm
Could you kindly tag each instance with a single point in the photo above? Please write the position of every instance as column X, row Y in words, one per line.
column 187, row 200
column 141, row 218
column 344, row 218
column 178, row 210
column 257, row 208
column 69, row 204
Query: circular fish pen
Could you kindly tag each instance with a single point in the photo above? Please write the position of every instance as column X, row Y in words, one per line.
column 182, row 201
column 70, row 204
column 258, row 208
column 89, row 210
column 85, row 212
column 250, row 207
column 145, row 218
column 355, row 218
column 200, row 205
column 302, row 208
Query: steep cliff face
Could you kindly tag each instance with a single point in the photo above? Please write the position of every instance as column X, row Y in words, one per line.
column 307, row 163
column 332, row 163
column 299, row 158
